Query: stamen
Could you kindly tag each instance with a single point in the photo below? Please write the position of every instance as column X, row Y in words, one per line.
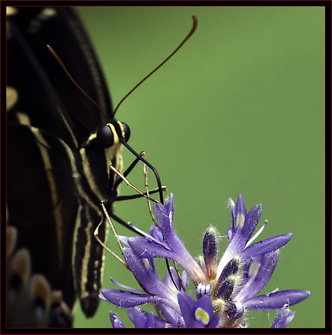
column 234, row 309
column 202, row 289
column 230, row 269
column 210, row 250
column 226, row 288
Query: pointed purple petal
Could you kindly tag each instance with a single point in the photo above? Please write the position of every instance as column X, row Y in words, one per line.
column 204, row 303
column 259, row 274
column 156, row 233
column 214, row 323
column 231, row 230
column 126, row 287
column 237, row 245
column 149, row 237
column 277, row 300
column 240, row 209
column 171, row 316
column 147, row 278
column 137, row 317
column 229, row 234
column 165, row 215
column 184, row 278
column 187, row 305
column 153, row 321
column 250, row 223
column 149, row 249
column 116, row 322
column 126, row 299
column 265, row 246
column 179, row 253
column 283, row 319
column 169, row 281
column 265, row 271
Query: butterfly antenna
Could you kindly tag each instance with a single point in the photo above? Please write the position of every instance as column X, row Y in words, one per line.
column 57, row 58
column 193, row 29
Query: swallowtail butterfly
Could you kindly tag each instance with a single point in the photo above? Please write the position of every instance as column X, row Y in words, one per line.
column 58, row 154
column 54, row 180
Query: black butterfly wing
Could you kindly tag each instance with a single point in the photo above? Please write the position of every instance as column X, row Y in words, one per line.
column 50, row 199
column 31, row 29
column 42, row 204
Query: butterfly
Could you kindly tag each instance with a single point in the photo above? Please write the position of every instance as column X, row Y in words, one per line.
column 60, row 145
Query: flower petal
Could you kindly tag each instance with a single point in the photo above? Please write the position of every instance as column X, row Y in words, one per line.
column 142, row 319
column 187, row 305
column 283, row 319
column 240, row 212
column 231, row 230
column 171, row 316
column 153, row 321
column 277, row 300
column 204, row 304
column 148, row 279
column 179, row 253
column 126, row 287
column 250, row 223
column 137, row 317
column 265, row 246
column 229, row 234
column 126, row 299
column 171, row 278
column 245, row 227
column 259, row 273
column 116, row 322
column 149, row 249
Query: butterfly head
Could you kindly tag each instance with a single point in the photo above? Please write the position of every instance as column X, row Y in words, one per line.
column 112, row 133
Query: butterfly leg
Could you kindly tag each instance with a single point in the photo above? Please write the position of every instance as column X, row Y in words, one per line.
column 126, row 173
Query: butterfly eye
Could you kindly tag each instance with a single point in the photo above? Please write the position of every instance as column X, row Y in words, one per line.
column 109, row 134
column 105, row 136
column 125, row 131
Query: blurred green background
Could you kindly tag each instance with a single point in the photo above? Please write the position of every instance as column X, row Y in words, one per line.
column 240, row 109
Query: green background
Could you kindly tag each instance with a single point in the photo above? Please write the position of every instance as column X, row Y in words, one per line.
column 240, row 109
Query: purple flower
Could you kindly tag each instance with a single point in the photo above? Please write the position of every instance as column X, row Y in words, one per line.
column 197, row 314
column 283, row 319
column 169, row 245
column 155, row 291
column 193, row 315
column 225, row 290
